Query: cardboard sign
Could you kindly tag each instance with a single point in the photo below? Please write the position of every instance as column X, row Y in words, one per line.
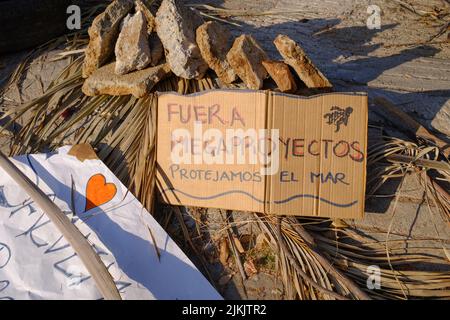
column 264, row 151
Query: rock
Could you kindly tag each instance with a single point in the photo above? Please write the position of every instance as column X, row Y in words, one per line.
column 249, row 268
column 132, row 49
column 138, row 83
column 441, row 119
column 214, row 42
column 280, row 73
column 156, row 49
column 176, row 25
column 149, row 17
column 294, row 56
column 246, row 58
column 155, row 44
column 103, row 34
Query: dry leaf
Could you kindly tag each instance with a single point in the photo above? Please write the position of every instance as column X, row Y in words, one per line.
column 238, row 244
column 250, row 268
column 447, row 254
column 339, row 224
column 343, row 263
column 224, row 251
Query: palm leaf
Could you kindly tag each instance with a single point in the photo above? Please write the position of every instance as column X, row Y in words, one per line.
column 316, row 258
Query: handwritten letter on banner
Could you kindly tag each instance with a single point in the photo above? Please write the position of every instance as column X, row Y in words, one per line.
column 264, row 151
column 37, row 263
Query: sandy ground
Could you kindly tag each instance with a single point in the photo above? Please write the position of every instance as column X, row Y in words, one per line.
column 395, row 62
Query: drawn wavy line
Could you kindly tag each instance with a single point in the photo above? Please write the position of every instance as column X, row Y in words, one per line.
column 215, row 195
column 340, row 205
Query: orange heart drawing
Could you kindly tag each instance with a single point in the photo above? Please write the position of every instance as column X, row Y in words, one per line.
column 99, row 192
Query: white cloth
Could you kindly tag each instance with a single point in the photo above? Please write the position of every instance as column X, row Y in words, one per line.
column 36, row 262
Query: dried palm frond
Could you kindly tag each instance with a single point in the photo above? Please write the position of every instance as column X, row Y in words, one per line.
column 223, row 15
column 222, row 12
column 353, row 254
column 393, row 158
column 123, row 131
column 317, row 258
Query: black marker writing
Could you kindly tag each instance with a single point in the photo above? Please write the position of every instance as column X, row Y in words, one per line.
column 5, row 255
column 33, row 228
column 3, row 285
column 53, row 247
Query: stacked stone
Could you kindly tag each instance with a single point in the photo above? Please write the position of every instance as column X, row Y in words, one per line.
column 131, row 49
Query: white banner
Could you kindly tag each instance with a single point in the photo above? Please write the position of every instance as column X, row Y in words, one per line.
column 36, row 262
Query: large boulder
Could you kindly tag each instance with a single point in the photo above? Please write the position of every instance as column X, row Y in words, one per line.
column 176, row 25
